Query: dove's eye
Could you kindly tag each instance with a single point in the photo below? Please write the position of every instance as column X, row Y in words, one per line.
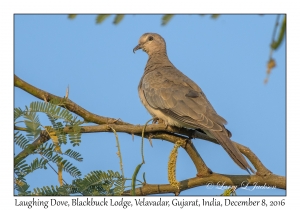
column 150, row 38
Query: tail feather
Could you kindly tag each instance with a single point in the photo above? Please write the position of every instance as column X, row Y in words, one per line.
column 232, row 150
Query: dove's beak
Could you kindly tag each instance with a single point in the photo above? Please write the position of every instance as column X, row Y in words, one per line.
column 139, row 46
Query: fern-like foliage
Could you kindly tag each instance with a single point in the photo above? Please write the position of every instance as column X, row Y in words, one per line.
column 58, row 129
column 20, row 140
column 71, row 169
column 101, row 183
column 75, row 135
column 95, row 183
column 46, row 149
column 46, row 191
column 21, row 169
column 37, row 164
column 52, row 110
column 32, row 123
column 17, row 113
column 73, row 154
column 66, row 189
column 54, row 113
column 59, row 118
column 22, row 188
column 48, row 152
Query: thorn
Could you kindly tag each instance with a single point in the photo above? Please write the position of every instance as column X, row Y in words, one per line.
column 67, row 92
column 116, row 120
column 150, row 140
column 45, row 99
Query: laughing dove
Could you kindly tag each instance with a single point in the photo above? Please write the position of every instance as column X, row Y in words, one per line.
column 171, row 96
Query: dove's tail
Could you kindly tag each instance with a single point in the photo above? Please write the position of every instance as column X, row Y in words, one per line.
column 232, row 150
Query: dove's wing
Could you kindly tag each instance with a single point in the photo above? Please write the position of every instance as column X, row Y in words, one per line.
column 180, row 98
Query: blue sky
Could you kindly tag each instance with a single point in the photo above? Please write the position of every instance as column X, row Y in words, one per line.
column 226, row 57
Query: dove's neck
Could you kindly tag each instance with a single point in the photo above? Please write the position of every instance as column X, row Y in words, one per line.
column 157, row 60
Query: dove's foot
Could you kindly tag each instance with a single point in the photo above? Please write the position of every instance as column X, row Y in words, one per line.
column 155, row 120
column 150, row 138
column 159, row 121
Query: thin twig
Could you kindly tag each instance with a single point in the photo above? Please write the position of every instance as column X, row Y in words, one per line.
column 142, row 145
column 119, row 149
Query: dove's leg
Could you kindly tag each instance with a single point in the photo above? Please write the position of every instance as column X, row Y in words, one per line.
column 159, row 121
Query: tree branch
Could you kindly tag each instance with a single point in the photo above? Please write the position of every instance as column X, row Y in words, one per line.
column 157, row 131
column 70, row 105
column 241, row 181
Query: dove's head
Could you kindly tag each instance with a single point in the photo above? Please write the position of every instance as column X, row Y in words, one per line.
column 151, row 43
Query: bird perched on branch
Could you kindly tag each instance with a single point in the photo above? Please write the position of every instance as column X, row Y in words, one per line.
column 171, row 96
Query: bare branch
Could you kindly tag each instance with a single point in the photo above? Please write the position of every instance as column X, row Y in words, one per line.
column 70, row 105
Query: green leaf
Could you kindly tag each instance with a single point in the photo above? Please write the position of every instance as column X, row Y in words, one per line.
column 101, row 183
column 277, row 43
column 136, row 171
column 22, row 189
column 58, row 128
column 166, row 19
column 144, row 177
column 75, row 135
column 17, row 113
column 118, row 19
column 214, row 16
column 21, row 168
column 46, row 191
column 101, row 18
column 74, row 155
column 72, row 170
column 72, row 16
column 37, row 164
column 21, row 140
column 32, row 123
